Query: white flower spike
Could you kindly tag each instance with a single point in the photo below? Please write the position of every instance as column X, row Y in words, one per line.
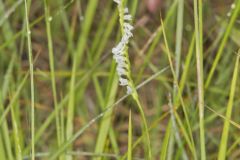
column 119, row 51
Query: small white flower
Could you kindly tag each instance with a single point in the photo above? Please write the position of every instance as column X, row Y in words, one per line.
column 128, row 17
column 125, row 10
column 128, row 34
column 125, row 38
column 129, row 90
column 121, row 62
column 123, row 81
column 127, row 26
column 117, row 1
column 121, row 71
column 119, row 59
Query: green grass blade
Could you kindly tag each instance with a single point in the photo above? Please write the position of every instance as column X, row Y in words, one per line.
column 16, row 134
column 63, row 103
column 106, row 120
column 2, row 149
column 224, row 138
column 130, row 136
column 3, row 94
column 145, row 125
column 223, row 43
column 14, row 99
column 165, row 143
column 94, row 120
column 175, row 131
column 155, row 41
column 199, row 59
column 6, row 136
column 48, row 20
column 30, row 58
column 190, row 142
column 92, row 4
column 179, row 36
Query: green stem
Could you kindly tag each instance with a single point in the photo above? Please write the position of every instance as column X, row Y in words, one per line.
column 30, row 59
column 225, row 134
column 135, row 97
column 130, row 136
column 199, row 59
column 48, row 20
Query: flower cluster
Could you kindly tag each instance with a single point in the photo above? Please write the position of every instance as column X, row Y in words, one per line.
column 119, row 53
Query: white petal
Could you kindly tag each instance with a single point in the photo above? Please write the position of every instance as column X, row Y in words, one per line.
column 121, row 71
column 123, row 81
column 122, row 64
column 128, row 33
column 117, row 1
column 128, row 26
column 126, row 10
column 120, row 45
column 125, row 38
column 127, row 17
column 119, row 58
column 118, row 49
column 129, row 90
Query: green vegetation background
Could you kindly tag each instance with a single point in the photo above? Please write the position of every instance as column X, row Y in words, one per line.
column 59, row 92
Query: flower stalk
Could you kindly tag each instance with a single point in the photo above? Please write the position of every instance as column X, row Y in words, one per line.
column 120, row 54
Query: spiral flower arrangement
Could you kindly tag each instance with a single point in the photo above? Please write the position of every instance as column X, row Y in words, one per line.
column 120, row 54
column 120, row 51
